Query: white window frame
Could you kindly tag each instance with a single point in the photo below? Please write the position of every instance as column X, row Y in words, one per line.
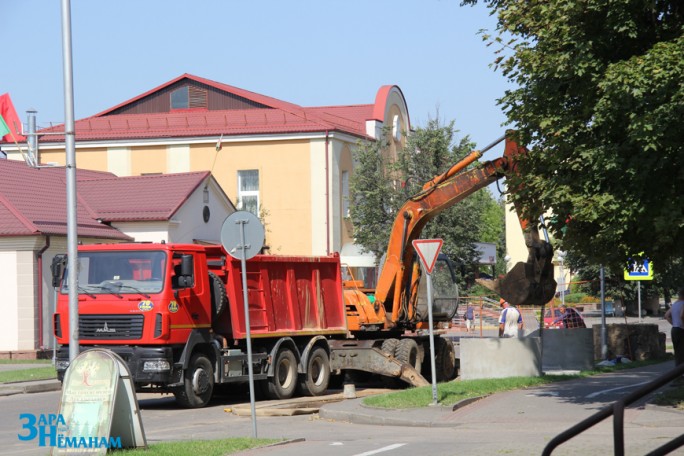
column 247, row 193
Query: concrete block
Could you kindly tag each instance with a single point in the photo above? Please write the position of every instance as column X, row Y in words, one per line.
column 500, row 358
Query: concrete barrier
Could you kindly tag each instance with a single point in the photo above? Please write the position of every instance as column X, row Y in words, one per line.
column 568, row 349
column 500, row 358
column 564, row 349
column 638, row 342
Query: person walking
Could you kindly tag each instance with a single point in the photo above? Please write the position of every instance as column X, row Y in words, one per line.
column 469, row 317
column 510, row 320
column 675, row 316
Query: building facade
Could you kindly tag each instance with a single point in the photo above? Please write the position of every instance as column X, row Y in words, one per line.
column 288, row 164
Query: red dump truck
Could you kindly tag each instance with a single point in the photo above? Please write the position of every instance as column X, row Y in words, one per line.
column 175, row 313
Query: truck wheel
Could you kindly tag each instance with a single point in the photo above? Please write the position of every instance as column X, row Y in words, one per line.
column 284, row 381
column 445, row 359
column 218, row 294
column 389, row 346
column 407, row 352
column 316, row 379
column 198, row 384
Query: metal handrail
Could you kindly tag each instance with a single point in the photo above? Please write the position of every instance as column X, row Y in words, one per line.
column 617, row 409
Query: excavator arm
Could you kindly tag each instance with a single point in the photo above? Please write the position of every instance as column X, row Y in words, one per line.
column 532, row 281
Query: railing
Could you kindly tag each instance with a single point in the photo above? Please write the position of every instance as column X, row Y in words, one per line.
column 617, row 409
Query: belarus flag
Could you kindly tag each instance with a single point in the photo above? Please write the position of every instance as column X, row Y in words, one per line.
column 10, row 126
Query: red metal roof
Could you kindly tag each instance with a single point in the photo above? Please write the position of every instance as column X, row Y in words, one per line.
column 117, row 199
column 33, row 200
column 279, row 117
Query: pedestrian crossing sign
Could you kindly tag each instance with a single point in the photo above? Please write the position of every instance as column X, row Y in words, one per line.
column 639, row 269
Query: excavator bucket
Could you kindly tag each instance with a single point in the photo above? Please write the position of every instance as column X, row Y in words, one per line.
column 529, row 283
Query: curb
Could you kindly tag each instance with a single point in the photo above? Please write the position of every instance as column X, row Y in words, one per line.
column 41, row 386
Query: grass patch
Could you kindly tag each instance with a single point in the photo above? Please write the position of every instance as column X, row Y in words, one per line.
column 671, row 397
column 27, row 375
column 455, row 391
column 25, row 361
column 452, row 392
column 203, row 447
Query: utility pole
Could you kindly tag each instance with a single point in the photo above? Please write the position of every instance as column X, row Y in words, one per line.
column 70, row 148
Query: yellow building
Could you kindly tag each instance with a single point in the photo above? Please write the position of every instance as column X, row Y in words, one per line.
column 287, row 163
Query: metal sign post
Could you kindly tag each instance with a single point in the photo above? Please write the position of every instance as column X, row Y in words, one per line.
column 242, row 235
column 639, row 269
column 428, row 250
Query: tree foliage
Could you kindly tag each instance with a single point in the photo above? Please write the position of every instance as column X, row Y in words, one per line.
column 599, row 102
column 380, row 186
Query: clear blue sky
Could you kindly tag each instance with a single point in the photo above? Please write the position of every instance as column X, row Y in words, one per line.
column 312, row 53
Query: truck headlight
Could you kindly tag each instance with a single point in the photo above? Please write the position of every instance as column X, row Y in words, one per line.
column 61, row 365
column 156, row 365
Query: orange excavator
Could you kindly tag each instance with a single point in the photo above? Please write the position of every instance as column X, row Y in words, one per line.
column 395, row 304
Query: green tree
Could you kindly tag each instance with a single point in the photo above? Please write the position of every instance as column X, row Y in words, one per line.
column 599, row 102
column 379, row 186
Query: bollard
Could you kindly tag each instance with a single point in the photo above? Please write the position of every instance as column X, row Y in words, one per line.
column 349, row 391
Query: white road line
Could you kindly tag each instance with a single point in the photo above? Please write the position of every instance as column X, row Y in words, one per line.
column 598, row 393
column 381, row 450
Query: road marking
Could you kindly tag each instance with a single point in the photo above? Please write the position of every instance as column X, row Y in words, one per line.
column 381, row 450
column 598, row 393
column 543, row 394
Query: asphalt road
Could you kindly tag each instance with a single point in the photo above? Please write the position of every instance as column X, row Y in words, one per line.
column 516, row 422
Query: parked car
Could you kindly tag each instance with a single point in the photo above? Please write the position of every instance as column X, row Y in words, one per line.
column 549, row 319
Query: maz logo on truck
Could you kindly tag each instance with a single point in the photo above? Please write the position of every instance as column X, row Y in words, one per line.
column 105, row 329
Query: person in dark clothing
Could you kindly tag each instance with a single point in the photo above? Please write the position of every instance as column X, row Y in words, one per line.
column 675, row 315
column 570, row 318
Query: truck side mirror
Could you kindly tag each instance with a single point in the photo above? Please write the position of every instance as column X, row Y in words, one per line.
column 186, row 278
column 57, row 268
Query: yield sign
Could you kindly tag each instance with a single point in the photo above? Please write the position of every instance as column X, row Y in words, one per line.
column 428, row 250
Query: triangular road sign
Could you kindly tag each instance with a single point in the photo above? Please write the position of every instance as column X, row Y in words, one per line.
column 428, row 250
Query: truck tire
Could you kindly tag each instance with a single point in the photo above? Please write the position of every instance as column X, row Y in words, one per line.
column 407, row 352
column 445, row 360
column 284, row 381
column 316, row 379
column 198, row 383
column 218, row 295
column 389, row 346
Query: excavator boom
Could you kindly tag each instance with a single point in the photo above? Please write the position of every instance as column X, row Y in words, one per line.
column 529, row 283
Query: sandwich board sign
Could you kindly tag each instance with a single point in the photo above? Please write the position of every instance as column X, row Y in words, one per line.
column 99, row 410
column 428, row 251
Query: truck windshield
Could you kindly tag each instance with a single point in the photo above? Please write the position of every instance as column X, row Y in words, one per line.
column 118, row 273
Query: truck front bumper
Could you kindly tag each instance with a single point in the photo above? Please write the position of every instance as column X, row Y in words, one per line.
column 148, row 365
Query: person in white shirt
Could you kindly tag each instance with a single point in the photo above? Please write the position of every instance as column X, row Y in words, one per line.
column 675, row 315
column 510, row 320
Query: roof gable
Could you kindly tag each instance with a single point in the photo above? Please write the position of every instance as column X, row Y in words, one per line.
column 140, row 198
column 33, row 200
column 228, row 111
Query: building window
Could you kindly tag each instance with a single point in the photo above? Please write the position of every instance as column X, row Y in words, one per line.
column 180, row 98
column 345, row 193
column 188, row 97
column 248, row 191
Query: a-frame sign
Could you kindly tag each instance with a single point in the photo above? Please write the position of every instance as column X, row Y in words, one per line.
column 428, row 251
